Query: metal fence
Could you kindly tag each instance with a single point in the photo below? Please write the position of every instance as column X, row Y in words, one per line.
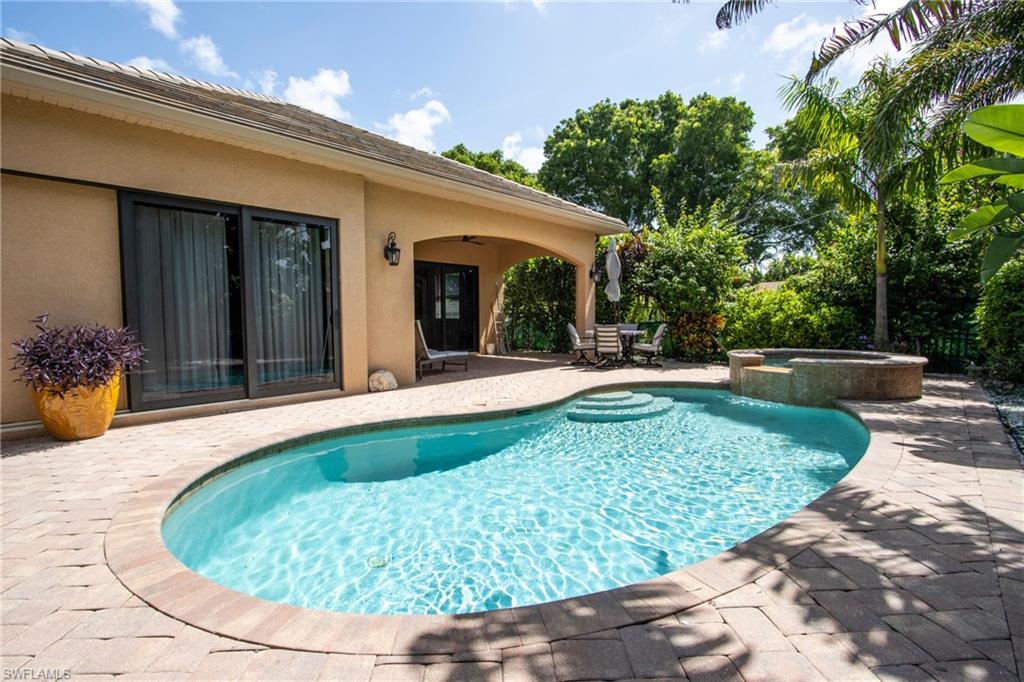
column 951, row 351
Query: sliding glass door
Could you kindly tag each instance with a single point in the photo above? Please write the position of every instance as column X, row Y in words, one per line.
column 292, row 300
column 229, row 302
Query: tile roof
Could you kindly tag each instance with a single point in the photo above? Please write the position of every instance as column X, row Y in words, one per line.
column 271, row 114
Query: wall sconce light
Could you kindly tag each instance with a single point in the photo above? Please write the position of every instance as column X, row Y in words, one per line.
column 595, row 272
column 391, row 251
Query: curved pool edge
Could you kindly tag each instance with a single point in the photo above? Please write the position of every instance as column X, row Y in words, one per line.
column 137, row 556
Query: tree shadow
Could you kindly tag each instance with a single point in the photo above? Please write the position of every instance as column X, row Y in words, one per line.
column 918, row 567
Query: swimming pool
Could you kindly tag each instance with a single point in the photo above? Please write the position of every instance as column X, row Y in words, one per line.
column 508, row 512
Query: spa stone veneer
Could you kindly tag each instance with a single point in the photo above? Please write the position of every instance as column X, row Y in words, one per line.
column 817, row 377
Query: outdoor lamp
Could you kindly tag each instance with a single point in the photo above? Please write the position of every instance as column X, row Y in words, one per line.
column 391, row 251
column 595, row 272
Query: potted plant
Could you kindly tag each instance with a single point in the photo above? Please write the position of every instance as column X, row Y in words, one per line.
column 75, row 375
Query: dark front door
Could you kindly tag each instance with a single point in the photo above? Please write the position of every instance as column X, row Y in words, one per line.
column 447, row 304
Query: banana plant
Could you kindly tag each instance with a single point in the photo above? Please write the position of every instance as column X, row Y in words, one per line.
column 1000, row 127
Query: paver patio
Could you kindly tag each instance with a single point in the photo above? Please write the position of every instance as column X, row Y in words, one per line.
column 922, row 578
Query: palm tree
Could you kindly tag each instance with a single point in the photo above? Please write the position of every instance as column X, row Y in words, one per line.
column 963, row 54
column 860, row 176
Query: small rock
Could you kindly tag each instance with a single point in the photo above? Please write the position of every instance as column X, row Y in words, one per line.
column 382, row 380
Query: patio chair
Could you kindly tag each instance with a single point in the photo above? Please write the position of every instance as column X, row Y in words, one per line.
column 427, row 356
column 580, row 347
column 652, row 350
column 609, row 348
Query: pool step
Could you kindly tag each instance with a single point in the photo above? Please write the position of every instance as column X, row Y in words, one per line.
column 620, row 407
column 624, row 401
column 612, row 397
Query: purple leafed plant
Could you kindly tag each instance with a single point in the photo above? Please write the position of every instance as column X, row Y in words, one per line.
column 61, row 359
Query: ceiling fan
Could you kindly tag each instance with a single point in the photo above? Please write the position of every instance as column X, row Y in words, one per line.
column 465, row 239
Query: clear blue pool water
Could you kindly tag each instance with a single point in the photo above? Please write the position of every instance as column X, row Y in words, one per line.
column 481, row 515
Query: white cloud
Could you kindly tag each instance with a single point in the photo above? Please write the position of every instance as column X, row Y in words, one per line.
column 539, row 5
column 268, row 81
column 426, row 91
column 164, row 15
column 714, row 40
column 416, row 126
column 149, row 64
column 802, row 36
column 203, row 53
column 737, row 80
column 15, row 34
column 532, row 158
column 320, row 93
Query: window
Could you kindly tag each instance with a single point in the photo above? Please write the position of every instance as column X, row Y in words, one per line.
column 229, row 302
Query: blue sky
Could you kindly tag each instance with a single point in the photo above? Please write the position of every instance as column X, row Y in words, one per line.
column 491, row 75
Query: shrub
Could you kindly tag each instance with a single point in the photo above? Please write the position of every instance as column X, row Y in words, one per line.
column 539, row 299
column 693, row 266
column 1000, row 318
column 785, row 318
column 61, row 359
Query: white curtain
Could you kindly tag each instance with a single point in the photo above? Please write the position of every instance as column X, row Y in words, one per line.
column 186, row 302
column 292, row 294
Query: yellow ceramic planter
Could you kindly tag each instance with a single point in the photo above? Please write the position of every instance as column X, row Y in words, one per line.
column 81, row 413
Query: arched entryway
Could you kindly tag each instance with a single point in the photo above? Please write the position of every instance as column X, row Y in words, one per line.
column 458, row 288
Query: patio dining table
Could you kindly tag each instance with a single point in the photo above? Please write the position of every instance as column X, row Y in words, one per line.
column 628, row 338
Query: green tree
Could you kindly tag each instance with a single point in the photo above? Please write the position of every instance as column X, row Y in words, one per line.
column 844, row 164
column 493, row 162
column 609, row 156
column 778, row 218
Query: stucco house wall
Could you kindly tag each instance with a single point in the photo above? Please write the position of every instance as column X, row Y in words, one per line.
column 60, row 234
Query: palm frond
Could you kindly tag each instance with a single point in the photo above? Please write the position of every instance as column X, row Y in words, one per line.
column 910, row 23
column 831, row 175
column 820, row 113
column 948, row 78
column 735, row 12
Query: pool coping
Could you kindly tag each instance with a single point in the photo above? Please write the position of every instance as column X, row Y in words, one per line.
column 136, row 554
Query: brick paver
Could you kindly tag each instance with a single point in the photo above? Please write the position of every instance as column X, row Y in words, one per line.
column 924, row 579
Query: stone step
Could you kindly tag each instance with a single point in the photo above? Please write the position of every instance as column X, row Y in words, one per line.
column 654, row 408
column 627, row 401
column 614, row 396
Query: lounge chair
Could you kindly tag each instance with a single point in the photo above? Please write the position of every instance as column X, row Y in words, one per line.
column 652, row 350
column 609, row 348
column 426, row 356
column 580, row 347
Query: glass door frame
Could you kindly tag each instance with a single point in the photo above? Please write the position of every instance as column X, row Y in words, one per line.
column 132, row 304
column 249, row 305
column 473, row 303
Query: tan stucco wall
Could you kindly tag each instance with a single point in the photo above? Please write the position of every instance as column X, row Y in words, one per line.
column 58, row 255
column 416, row 218
column 44, row 139
column 50, row 227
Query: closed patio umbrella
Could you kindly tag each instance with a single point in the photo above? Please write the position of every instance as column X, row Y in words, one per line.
column 613, row 268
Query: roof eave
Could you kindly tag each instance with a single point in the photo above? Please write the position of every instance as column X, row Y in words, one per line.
column 53, row 89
